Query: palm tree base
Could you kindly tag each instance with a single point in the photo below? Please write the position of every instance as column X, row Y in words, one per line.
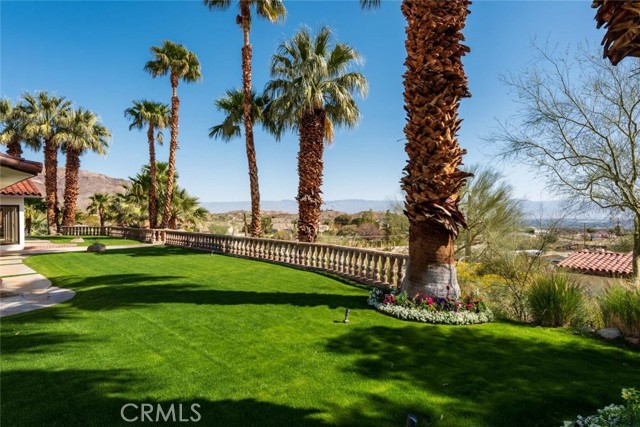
column 432, row 267
column 436, row 281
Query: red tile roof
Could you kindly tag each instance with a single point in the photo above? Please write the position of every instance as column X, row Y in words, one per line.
column 599, row 262
column 22, row 188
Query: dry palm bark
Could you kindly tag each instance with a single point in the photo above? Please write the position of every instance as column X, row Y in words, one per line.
column 310, row 165
column 434, row 84
column 153, row 179
column 51, row 184
column 71, row 186
column 622, row 20
column 173, row 148
column 256, row 226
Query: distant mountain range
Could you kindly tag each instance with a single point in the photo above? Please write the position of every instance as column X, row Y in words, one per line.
column 291, row 206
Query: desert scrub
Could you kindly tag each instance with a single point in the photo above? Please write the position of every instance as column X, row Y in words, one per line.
column 620, row 308
column 555, row 300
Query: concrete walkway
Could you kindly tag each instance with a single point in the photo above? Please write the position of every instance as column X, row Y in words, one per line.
column 22, row 289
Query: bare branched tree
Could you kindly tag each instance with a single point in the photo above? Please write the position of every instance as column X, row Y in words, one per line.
column 578, row 127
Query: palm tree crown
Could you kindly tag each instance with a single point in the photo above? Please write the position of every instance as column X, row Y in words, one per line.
column 232, row 104
column 12, row 127
column 146, row 112
column 309, row 73
column 272, row 10
column 176, row 61
column 81, row 130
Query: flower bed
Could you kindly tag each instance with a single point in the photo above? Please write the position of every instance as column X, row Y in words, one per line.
column 613, row 415
column 430, row 310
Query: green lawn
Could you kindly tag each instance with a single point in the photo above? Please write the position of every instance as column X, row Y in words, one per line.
column 89, row 240
column 257, row 344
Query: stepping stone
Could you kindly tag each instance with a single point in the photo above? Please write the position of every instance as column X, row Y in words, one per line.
column 14, row 269
column 32, row 302
column 10, row 261
column 12, row 257
column 23, row 284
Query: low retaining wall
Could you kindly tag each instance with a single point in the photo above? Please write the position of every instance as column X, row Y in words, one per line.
column 366, row 266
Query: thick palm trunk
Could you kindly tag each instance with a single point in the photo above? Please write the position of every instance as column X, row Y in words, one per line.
column 434, row 84
column 101, row 216
column 310, row 167
column 14, row 148
column 72, row 168
column 153, row 184
column 173, row 147
column 51, row 184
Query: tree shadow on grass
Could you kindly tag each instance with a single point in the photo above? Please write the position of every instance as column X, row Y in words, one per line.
column 14, row 343
column 108, row 292
column 151, row 251
column 501, row 379
column 96, row 398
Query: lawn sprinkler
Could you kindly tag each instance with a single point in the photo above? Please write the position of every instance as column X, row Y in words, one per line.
column 346, row 316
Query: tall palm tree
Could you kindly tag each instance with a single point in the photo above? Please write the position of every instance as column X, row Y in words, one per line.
column 273, row 11
column 99, row 204
column 81, row 132
column 434, row 83
column 12, row 127
column 157, row 116
column 232, row 104
column 621, row 18
column 45, row 114
column 180, row 64
column 312, row 91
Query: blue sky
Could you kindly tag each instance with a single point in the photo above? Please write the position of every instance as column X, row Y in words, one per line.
column 94, row 52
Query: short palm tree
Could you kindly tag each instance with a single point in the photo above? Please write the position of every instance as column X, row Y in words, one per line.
column 81, row 132
column 180, row 64
column 12, row 127
column 312, row 91
column 621, row 18
column 99, row 204
column 186, row 211
column 156, row 116
column 44, row 116
column 434, row 83
column 273, row 11
column 232, row 104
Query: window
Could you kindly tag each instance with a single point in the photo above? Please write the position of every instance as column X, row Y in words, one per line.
column 9, row 225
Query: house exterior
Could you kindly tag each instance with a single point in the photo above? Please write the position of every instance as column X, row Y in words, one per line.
column 14, row 187
column 601, row 263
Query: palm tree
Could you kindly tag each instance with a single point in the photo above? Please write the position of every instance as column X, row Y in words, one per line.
column 12, row 125
column 186, row 211
column 312, row 92
column 434, row 83
column 157, row 116
column 232, row 104
column 180, row 64
column 44, row 115
column 274, row 11
column 621, row 18
column 81, row 132
column 99, row 204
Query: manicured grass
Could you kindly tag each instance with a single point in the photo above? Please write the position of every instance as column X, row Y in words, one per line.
column 89, row 240
column 257, row 344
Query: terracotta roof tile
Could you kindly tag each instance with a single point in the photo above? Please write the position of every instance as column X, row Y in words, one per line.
column 599, row 262
column 22, row 188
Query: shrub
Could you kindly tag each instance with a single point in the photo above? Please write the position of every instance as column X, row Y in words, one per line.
column 555, row 300
column 627, row 414
column 620, row 308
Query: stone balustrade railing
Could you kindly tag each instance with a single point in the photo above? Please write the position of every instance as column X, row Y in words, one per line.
column 367, row 266
column 86, row 231
column 362, row 265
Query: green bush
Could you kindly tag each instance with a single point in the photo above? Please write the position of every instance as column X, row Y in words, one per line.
column 620, row 308
column 555, row 300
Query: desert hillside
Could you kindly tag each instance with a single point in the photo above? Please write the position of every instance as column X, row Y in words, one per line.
column 89, row 184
